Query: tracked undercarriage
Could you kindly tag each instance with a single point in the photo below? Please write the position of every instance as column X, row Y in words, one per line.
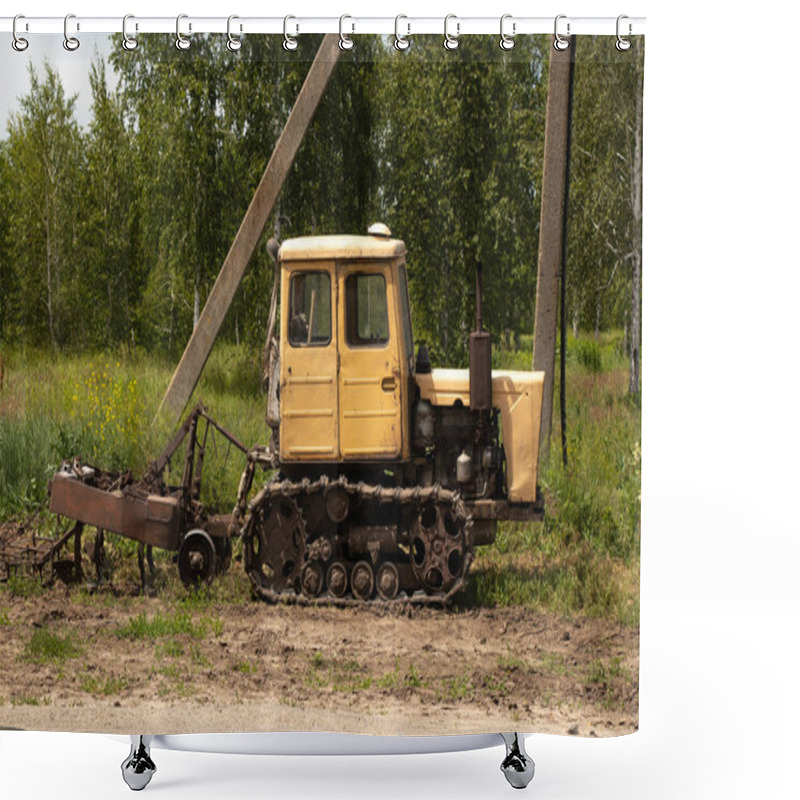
column 338, row 542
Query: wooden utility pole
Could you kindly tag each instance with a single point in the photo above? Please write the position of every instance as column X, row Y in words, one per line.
column 554, row 179
column 219, row 300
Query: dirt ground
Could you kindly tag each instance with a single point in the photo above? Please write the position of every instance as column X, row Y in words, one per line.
column 247, row 666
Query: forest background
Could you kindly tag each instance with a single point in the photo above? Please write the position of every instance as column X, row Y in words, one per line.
column 132, row 215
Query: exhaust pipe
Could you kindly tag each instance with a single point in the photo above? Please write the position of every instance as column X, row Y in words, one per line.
column 480, row 355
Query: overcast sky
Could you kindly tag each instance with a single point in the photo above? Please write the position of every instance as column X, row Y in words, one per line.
column 73, row 67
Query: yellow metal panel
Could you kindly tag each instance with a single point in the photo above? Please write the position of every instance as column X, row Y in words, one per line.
column 518, row 396
column 345, row 248
column 370, row 386
column 308, row 407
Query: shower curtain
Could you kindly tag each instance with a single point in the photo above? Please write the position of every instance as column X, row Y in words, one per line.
column 126, row 174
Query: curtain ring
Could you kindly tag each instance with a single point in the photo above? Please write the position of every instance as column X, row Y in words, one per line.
column 181, row 42
column 70, row 42
column 560, row 43
column 450, row 41
column 18, row 43
column 128, row 42
column 623, row 44
column 289, row 43
column 401, row 43
column 345, row 42
column 507, row 42
column 233, row 44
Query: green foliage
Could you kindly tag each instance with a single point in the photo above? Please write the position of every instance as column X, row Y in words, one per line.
column 159, row 626
column 45, row 168
column 109, row 410
column 104, row 686
column 20, row 584
column 45, row 647
column 600, row 673
column 132, row 217
column 588, row 355
column 604, row 220
column 457, row 173
column 459, row 687
column 412, row 679
column 31, row 700
column 585, row 556
column 317, row 660
column 99, row 409
column 170, row 648
column 337, row 676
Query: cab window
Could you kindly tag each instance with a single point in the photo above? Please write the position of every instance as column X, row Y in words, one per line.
column 366, row 311
column 310, row 309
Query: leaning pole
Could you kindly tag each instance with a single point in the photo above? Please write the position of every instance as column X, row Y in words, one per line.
column 252, row 226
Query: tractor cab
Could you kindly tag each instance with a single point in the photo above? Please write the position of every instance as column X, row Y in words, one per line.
column 346, row 349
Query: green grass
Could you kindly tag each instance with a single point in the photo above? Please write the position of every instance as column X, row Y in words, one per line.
column 317, row 660
column 602, row 673
column 493, row 685
column 459, row 687
column 584, row 558
column 412, row 679
column 171, row 648
column 31, row 700
column 554, row 664
column 100, row 407
column 105, row 686
column 343, row 677
column 511, row 662
column 159, row 626
column 45, row 647
column 20, row 584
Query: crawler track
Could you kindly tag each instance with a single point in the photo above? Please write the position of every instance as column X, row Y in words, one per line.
column 334, row 542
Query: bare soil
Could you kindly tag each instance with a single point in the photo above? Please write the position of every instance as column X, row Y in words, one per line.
column 248, row 666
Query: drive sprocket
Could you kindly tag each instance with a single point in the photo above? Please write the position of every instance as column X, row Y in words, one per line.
column 438, row 546
column 274, row 545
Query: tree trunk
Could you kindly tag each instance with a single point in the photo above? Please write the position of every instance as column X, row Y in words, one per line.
column 196, row 314
column 49, row 280
column 636, row 259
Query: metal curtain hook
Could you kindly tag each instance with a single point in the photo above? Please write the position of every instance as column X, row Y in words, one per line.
column 623, row 43
column 345, row 42
column 70, row 42
column 128, row 42
column 401, row 42
column 181, row 42
column 507, row 42
column 233, row 44
column 289, row 43
column 18, row 43
column 560, row 43
column 450, row 41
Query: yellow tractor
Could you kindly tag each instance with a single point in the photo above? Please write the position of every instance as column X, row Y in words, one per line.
column 387, row 473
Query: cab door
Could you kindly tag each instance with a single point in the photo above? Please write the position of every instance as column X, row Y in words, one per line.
column 309, row 414
column 370, row 419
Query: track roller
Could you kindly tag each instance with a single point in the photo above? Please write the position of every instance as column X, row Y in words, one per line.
column 362, row 580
